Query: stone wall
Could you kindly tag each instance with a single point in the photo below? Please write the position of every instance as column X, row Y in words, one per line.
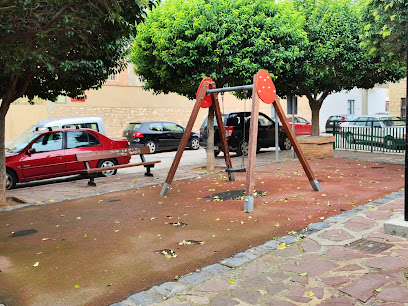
column 396, row 92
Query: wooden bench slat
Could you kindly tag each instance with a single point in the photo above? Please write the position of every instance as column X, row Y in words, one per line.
column 95, row 170
column 96, row 155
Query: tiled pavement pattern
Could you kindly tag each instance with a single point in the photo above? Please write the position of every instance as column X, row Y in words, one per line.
column 327, row 264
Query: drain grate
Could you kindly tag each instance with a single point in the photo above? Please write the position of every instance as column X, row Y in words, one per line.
column 377, row 167
column 24, row 233
column 234, row 195
column 114, row 200
column 369, row 246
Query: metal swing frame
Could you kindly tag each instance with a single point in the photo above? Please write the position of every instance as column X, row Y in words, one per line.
column 209, row 88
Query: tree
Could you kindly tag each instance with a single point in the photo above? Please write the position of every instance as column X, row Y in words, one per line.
column 181, row 42
column 52, row 47
column 385, row 29
column 334, row 58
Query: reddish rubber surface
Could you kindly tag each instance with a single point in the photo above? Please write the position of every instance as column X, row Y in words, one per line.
column 105, row 245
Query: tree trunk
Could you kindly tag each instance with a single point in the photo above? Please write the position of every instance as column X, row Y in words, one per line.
column 3, row 111
column 210, row 140
column 315, row 107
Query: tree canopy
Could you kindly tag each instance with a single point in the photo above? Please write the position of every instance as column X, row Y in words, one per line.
column 385, row 29
column 334, row 59
column 51, row 47
column 310, row 47
column 54, row 47
column 229, row 41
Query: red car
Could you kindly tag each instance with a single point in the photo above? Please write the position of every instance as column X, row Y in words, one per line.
column 46, row 154
column 302, row 126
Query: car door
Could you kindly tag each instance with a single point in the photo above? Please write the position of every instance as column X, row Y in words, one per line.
column 266, row 131
column 175, row 133
column 157, row 133
column 79, row 142
column 303, row 127
column 45, row 157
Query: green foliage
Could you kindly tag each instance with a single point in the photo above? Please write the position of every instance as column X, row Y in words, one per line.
column 334, row 58
column 53, row 47
column 385, row 29
column 183, row 41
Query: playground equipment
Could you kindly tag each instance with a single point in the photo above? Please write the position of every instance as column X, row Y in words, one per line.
column 263, row 89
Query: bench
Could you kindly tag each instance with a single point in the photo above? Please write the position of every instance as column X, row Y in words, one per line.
column 113, row 154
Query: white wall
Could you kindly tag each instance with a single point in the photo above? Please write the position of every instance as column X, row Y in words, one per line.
column 376, row 100
column 336, row 104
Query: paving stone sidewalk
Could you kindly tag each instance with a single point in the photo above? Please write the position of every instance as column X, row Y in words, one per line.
column 344, row 260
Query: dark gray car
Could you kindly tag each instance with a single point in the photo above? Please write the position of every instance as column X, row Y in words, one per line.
column 158, row 135
column 338, row 119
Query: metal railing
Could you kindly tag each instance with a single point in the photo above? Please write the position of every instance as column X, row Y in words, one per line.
column 371, row 137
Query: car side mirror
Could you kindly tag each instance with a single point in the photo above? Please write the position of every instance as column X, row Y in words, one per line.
column 30, row 151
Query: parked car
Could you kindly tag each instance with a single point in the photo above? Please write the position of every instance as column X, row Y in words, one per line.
column 46, row 154
column 234, row 123
column 84, row 122
column 380, row 129
column 158, row 135
column 337, row 119
column 302, row 126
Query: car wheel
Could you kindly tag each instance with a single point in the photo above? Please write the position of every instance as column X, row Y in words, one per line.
column 216, row 153
column 350, row 138
column 285, row 143
column 389, row 142
column 242, row 148
column 107, row 163
column 152, row 146
column 195, row 144
column 11, row 179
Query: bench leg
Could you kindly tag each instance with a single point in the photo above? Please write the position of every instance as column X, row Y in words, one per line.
column 91, row 180
column 148, row 173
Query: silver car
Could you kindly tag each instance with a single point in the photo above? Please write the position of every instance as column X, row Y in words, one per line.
column 385, row 130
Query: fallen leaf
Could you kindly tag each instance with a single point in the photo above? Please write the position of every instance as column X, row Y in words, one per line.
column 311, row 293
column 231, row 281
column 282, row 246
column 303, row 274
column 36, row 264
column 76, row 286
column 45, row 239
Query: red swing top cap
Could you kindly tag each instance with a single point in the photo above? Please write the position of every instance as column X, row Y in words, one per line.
column 207, row 101
column 264, row 87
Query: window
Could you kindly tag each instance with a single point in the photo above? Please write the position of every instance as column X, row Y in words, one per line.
column 93, row 126
column 113, row 77
column 302, row 120
column 292, row 103
column 263, row 121
column 156, row 127
column 373, row 122
column 360, row 121
column 350, row 107
column 48, row 142
column 81, row 139
column 168, row 126
column 403, row 107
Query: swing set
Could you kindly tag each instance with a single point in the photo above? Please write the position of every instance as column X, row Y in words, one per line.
column 207, row 95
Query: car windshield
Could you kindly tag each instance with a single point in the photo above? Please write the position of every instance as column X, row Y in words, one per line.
column 18, row 144
column 392, row 121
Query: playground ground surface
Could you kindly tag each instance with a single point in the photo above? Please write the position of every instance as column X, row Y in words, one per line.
column 102, row 248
